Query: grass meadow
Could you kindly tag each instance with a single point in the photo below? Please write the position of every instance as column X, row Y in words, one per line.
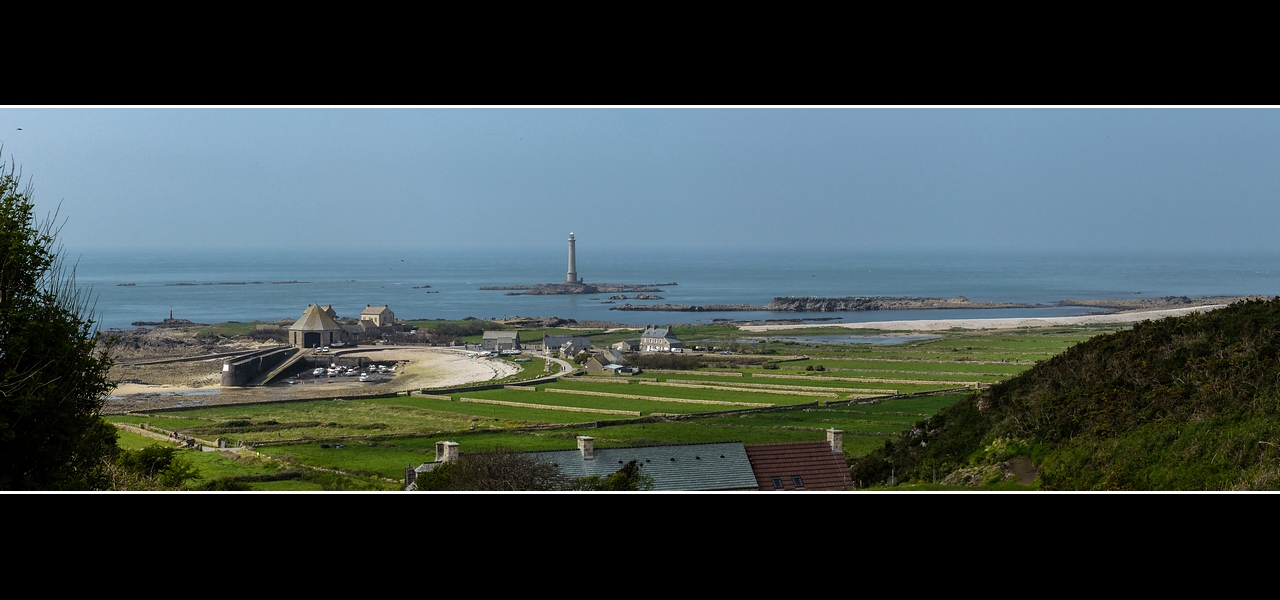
column 381, row 436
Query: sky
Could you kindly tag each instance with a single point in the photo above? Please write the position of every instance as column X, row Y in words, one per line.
column 812, row 179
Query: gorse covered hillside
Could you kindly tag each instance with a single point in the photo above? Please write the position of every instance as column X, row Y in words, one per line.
column 1187, row 403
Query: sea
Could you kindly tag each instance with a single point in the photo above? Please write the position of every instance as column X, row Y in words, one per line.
column 215, row 286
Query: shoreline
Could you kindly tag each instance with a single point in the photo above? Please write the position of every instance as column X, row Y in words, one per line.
column 997, row 323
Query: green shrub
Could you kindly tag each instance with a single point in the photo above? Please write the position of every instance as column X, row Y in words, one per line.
column 158, row 464
column 224, row 484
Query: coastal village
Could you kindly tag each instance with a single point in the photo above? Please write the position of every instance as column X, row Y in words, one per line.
column 881, row 299
column 644, row 400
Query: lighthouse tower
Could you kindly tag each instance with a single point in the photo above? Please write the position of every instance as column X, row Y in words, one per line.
column 573, row 264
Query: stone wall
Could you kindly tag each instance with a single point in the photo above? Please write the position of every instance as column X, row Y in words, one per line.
column 242, row 371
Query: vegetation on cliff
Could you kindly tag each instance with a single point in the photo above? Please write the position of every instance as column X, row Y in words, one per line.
column 1186, row 403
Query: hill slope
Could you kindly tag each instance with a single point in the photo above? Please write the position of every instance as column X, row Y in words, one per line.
column 1185, row 403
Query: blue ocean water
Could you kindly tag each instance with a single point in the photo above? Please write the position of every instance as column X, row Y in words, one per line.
column 351, row 279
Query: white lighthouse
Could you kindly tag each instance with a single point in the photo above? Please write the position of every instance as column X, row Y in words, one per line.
column 572, row 277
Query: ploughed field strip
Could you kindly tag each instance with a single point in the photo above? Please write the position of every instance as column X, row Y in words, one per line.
column 645, row 404
column 824, row 390
column 509, row 414
column 754, row 389
column 971, row 352
column 876, row 384
column 816, row 382
column 606, row 411
column 726, row 394
column 658, row 398
column 912, row 366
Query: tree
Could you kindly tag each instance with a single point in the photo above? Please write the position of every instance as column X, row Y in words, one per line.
column 153, row 467
column 500, row 470
column 53, row 381
column 630, row 477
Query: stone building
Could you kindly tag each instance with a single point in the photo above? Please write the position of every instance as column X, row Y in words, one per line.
column 364, row 331
column 553, row 343
column 316, row 328
column 500, row 340
column 660, row 339
column 380, row 315
column 601, row 364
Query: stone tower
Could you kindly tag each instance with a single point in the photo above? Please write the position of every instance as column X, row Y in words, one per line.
column 572, row 277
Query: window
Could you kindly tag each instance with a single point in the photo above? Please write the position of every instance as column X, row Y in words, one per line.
column 777, row 483
column 796, row 480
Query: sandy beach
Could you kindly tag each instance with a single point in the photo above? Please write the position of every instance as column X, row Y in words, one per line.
column 437, row 367
column 1007, row 323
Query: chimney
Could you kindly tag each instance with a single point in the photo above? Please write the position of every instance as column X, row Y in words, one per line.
column 586, row 444
column 835, row 437
column 446, row 451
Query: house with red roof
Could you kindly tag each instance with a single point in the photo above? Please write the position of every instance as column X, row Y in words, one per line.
column 801, row 465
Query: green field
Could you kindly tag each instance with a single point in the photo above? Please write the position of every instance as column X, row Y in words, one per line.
column 687, row 393
column 259, row 474
column 388, row 458
column 382, row 436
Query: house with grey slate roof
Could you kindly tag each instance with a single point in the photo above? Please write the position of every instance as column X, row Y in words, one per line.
column 717, row 466
column 660, row 339
column 627, row 346
column 500, row 340
column 553, row 343
column 690, row 467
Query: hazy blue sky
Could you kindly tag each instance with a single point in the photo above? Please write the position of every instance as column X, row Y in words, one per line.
column 938, row 179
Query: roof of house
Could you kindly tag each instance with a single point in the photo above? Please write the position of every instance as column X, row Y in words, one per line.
column 374, row 310
column 692, row 467
column 813, row 462
column 658, row 332
column 559, row 340
column 315, row 319
column 500, row 335
column 613, row 356
column 363, row 326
